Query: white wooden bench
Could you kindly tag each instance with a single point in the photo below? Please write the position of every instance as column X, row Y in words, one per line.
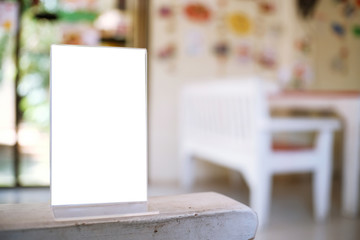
column 191, row 216
column 228, row 123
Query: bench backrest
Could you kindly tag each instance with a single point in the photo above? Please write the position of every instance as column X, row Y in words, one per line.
column 223, row 111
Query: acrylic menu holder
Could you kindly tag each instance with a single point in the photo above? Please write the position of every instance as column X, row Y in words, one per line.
column 98, row 143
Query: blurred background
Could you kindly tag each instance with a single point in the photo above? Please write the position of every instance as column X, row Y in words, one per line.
column 27, row 29
column 298, row 45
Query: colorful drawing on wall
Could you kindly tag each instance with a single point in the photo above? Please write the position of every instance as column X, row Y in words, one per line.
column 356, row 30
column 197, row 12
column 167, row 52
column 302, row 74
column 303, row 71
column 339, row 62
column 239, row 23
column 267, row 7
column 303, row 45
column 306, row 7
column 267, row 58
column 165, row 11
column 221, row 49
column 357, row 2
column 194, row 43
column 243, row 52
column 348, row 10
column 338, row 29
column 8, row 16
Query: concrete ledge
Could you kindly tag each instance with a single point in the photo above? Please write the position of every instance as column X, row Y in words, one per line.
column 191, row 216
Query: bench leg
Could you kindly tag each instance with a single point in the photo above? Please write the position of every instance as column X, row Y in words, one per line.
column 260, row 198
column 187, row 171
column 322, row 176
column 321, row 192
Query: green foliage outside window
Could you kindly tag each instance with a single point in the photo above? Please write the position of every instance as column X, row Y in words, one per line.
column 36, row 39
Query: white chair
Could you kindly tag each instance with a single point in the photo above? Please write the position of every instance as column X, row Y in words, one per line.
column 228, row 123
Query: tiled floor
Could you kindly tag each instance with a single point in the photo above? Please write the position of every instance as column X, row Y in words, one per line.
column 291, row 208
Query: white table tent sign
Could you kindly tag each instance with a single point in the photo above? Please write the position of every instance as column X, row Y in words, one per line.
column 98, row 131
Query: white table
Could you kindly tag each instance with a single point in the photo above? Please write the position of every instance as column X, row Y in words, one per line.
column 347, row 105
